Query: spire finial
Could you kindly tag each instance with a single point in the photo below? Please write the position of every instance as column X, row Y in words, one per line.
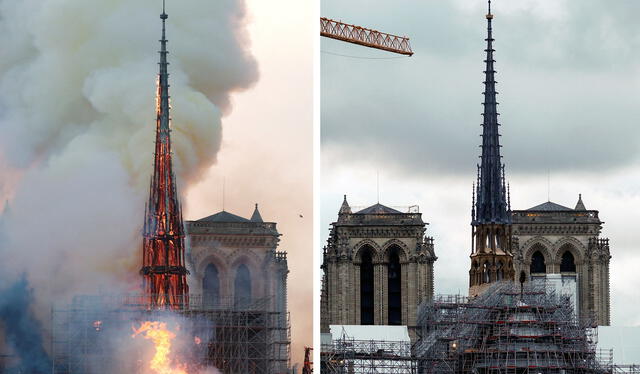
column 345, row 208
column 164, row 15
column 256, row 217
column 580, row 204
column 489, row 14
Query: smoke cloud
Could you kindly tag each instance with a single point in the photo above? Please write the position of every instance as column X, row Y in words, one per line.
column 77, row 114
column 23, row 335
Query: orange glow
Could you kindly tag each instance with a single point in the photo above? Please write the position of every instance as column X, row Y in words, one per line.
column 157, row 332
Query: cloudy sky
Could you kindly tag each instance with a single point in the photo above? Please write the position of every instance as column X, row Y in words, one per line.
column 568, row 83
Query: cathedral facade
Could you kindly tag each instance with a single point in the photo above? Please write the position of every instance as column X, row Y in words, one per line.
column 551, row 239
column 234, row 261
column 378, row 267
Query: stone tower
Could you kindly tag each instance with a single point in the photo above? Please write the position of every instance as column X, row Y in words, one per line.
column 163, row 259
column 234, row 261
column 491, row 256
column 563, row 246
column 378, row 267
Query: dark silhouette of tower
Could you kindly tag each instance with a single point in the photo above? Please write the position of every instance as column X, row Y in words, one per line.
column 491, row 255
column 163, row 259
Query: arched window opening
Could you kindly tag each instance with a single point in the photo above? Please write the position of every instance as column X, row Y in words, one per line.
column 486, row 277
column 538, row 265
column 476, row 273
column 242, row 294
column 567, row 264
column 500, row 271
column 394, row 277
column 211, row 286
column 366, row 288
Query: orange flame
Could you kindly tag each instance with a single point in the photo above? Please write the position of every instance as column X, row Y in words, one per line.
column 157, row 332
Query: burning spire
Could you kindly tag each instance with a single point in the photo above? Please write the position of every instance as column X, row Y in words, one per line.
column 163, row 259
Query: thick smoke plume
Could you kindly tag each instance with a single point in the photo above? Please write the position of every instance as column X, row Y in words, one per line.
column 77, row 117
column 24, row 334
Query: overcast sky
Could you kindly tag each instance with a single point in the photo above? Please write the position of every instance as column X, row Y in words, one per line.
column 568, row 88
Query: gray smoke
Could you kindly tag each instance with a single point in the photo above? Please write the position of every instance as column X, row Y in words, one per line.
column 23, row 332
column 77, row 110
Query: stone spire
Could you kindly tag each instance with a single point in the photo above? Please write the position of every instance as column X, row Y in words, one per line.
column 163, row 260
column 256, row 217
column 491, row 199
column 580, row 204
column 345, row 208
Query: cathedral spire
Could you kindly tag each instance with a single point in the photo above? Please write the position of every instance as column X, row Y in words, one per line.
column 491, row 204
column 491, row 254
column 163, row 269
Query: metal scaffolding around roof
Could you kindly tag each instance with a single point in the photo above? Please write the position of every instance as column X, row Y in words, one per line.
column 350, row 356
column 505, row 330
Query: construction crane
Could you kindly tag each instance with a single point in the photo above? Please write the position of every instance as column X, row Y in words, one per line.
column 366, row 37
column 308, row 365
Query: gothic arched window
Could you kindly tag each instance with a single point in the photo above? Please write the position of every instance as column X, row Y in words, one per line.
column 500, row 271
column 568, row 263
column 242, row 287
column 211, row 286
column 366, row 287
column 538, row 265
column 486, row 277
column 394, row 278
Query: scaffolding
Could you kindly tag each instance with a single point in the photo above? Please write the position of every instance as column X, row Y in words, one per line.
column 88, row 335
column 350, row 356
column 507, row 329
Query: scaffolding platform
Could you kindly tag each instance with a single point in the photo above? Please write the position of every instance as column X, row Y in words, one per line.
column 505, row 330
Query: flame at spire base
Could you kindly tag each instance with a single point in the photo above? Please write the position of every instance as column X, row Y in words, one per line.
column 161, row 336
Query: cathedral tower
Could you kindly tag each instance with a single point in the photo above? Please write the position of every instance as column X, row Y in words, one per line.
column 491, row 256
column 378, row 267
column 163, row 258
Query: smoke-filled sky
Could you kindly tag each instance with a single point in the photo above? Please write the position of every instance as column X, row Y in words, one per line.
column 266, row 155
column 77, row 117
column 568, row 83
